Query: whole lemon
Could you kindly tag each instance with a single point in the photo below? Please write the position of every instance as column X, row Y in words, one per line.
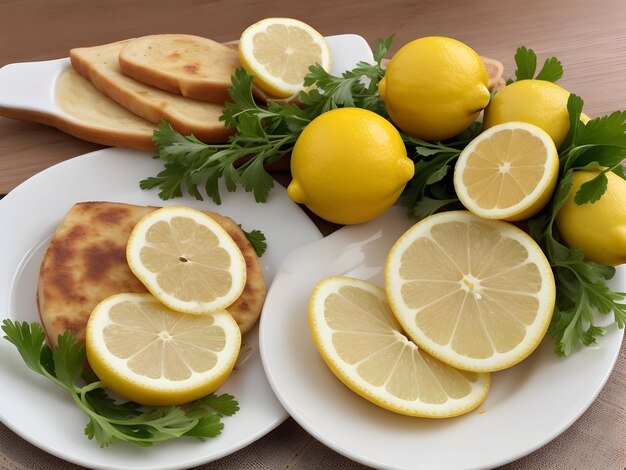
column 537, row 102
column 434, row 87
column 349, row 165
column 598, row 228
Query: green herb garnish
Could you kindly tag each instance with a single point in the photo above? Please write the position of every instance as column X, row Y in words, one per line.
column 526, row 62
column 258, row 241
column 110, row 421
column 263, row 134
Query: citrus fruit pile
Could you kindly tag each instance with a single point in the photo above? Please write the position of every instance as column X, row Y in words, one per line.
column 466, row 293
column 178, row 344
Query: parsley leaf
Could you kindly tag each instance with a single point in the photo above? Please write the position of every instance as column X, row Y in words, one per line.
column 224, row 404
column 552, row 70
column 216, row 406
column 258, row 241
column 526, row 63
column 110, row 421
column 599, row 144
column 29, row 341
column 208, row 426
column 262, row 134
column 592, row 190
column 68, row 359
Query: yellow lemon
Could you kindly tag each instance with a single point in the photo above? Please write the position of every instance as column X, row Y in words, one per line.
column 508, row 172
column 477, row 294
column 155, row 356
column 349, row 165
column 364, row 346
column 279, row 52
column 598, row 228
column 186, row 260
column 537, row 102
column 434, row 87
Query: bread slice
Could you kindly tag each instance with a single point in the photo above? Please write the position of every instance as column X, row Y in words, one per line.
column 85, row 263
column 98, row 118
column 99, row 64
column 191, row 66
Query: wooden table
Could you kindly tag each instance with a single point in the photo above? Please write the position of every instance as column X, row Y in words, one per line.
column 588, row 37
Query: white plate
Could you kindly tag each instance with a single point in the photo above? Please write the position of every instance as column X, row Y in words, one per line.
column 527, row 406
column 30, row 86
column 45, row 415
column 35, row 408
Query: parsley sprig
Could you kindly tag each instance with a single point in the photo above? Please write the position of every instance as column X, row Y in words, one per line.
column 526, row 63
column 258, row 241
column 582, row 285
column 262, row 134
column 110, row 421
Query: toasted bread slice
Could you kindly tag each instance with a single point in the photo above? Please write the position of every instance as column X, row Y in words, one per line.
column 191, row 66
column 99, row 64
column 86, row 262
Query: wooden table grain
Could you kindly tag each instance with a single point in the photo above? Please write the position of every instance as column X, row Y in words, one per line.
column 588, row 37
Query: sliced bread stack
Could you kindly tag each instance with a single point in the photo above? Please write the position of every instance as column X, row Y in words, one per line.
column 181, row 78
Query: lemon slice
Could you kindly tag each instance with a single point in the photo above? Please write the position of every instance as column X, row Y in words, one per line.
column 186, row 260
column 363, row 344
column 477, row 294
column 508, row 172
column 279, row 52
column 155, row 356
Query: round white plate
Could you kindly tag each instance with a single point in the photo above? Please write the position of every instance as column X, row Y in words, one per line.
column 528, row 405
column 45, row 415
